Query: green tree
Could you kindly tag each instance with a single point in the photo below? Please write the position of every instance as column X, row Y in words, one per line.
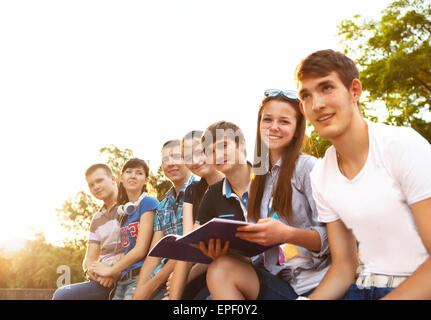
column 315, row 145
column 159, row 184
column 37, row 264
column 5, row 269
column 75, row 216
column 394, row 58
column 116, row 158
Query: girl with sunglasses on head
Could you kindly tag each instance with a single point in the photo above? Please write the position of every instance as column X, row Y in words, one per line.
column 188, row 279
column 136, row 213
column 281, row 204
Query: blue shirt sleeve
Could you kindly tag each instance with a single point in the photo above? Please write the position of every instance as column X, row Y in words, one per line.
column 147, row 204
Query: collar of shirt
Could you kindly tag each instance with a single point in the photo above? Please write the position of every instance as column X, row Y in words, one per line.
column 270, row 183
column 111, row 213
column 103, row 210
column 171, row 194
column 275, row 168
column 228, row 193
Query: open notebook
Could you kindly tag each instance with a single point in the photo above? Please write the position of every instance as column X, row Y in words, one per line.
column 178, row 248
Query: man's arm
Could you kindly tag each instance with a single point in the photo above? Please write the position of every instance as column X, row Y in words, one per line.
column 418, row 285
column 149, row 287
column 182, row 268
column 182, row 275
column 136, row 254
column 91, row 256
column 150, row 264
column 342, row 272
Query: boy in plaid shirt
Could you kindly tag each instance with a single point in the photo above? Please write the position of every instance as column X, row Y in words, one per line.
column 168, row 220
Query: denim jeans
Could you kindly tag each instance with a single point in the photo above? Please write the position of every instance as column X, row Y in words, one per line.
column 89, row 290
column 125, row 289
column 372, row 293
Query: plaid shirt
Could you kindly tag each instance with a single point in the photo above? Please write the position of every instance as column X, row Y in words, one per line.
column 169, row 213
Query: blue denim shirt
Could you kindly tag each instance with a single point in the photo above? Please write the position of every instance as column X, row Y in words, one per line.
column 304, row 217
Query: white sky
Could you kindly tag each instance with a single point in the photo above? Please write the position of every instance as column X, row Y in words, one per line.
column 76, row 76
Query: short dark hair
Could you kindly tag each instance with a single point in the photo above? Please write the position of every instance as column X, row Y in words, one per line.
column 323, row 62
column 186, row 147
column 96, row 166
column 210, row 134
column 171, row 144
column 122, row 197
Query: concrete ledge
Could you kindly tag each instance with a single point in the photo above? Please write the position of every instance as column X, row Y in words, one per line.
column 26, row 294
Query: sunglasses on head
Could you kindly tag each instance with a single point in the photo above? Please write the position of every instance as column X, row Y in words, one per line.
column 291, row 94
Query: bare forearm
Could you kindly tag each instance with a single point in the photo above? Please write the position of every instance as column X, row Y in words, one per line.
column 196, row 271
column 179, row 279
column 335, row 283
column 150, row 264
column 87, row 263
column 415, row 287
column 146, row 288
column 162, row 276
column 306, row 238
column 342, row 272
column 130, row 258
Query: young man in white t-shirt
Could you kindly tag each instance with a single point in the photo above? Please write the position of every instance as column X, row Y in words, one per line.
column 373, row 187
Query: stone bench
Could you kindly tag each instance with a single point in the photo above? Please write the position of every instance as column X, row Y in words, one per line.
column 26, row 294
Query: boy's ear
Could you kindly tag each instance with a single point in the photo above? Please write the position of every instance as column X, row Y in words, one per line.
column 356, row 89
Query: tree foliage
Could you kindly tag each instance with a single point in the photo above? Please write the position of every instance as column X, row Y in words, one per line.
column 159, row 184
column 394, row 57
column 36, row 265
column 75, row 216
column 5, row 269
column 116, row 158
column 316, row 145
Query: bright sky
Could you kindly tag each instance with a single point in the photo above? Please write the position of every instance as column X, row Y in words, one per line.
column 76, row 76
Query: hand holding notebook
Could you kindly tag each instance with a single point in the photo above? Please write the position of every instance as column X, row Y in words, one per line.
column 178, row 247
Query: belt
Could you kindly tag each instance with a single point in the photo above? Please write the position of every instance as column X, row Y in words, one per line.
column 379, row 280
column 131, row 274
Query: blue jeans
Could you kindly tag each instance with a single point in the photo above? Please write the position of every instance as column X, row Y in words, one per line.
column 372, row 293
column 126, row 288
column 89, row 290
column 273, row 288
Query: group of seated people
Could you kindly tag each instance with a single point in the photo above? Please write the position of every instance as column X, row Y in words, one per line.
column 370, row 193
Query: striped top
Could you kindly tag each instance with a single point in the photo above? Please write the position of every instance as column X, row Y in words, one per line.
column 105, row 231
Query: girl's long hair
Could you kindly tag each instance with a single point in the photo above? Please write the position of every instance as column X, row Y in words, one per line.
column 282, row 195
column 122, row 197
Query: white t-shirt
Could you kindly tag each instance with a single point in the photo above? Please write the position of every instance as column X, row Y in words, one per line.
column 375, row 203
